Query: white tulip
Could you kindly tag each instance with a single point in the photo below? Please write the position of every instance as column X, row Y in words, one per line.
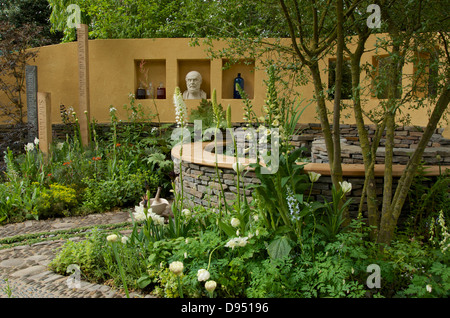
column 313, row 176
column 345, row 186
column 176, row 267
column 112, row 238
column 203, row 275
column 238, row 165
column 210, row 286
column 235, row 222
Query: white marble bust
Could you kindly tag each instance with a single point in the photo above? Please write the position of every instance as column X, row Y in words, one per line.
column 193, row 83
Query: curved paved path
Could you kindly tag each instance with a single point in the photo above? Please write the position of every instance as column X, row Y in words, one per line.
column 23, row 268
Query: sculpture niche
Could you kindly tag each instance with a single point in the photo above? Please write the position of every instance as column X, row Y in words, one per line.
column 193, row 84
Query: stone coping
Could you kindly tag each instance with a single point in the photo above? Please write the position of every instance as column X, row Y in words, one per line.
column 200, row 153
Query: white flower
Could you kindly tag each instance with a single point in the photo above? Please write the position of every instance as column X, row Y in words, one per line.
column 176, row 267
column 112, row 109
column 313, row 176
column 124, row 239
column 59, row 145
column 231, row 243
column 186, row 212
column 345, row 186
column 292, row 202
column 36, row 141
column 242, row 241
column 235, row 222
column 203, row 275
column 159, row 220
column 238, row 165
column 29, row 147
column 255, row 217
column 180, row 107
column 429, row 288
column 139, row 215
column 112, row 238
column 210, row 285
column 237, row 241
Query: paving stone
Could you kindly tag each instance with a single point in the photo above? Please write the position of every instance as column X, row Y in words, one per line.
column 13, row 262
column 29, row 271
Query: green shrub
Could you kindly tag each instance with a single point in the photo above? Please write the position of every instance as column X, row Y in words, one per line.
column 58, row 200
column 126, row 189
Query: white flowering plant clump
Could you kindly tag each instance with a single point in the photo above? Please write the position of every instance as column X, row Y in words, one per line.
column 143, row 214
column 153, row 224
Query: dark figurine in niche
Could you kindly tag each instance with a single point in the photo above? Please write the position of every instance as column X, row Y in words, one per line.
column 238, row 81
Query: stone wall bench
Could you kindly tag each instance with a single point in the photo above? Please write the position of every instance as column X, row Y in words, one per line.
column 201, row 186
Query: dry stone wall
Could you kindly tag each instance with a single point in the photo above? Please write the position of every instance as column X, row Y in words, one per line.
column 201, row 184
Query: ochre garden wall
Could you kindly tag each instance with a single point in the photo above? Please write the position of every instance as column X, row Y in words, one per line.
column 114, row 74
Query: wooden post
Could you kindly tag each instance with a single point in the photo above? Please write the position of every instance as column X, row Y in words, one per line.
column 83, row 71
column 32, row 89
column 44, row 121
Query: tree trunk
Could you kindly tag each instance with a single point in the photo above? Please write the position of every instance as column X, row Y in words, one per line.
column 390, row 218
column 323, row 116
column 368, row 152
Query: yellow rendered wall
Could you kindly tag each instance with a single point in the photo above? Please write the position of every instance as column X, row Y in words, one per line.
column 114, row 73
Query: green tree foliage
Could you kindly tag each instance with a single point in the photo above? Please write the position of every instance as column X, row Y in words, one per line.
column 111, row 19
column 35, row 12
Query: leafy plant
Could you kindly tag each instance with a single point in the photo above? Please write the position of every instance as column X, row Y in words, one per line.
column 332, row 220
column 272, row 190
column 208, row 116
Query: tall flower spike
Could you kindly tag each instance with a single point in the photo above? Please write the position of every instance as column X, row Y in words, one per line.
column 215, row 106
column 180, row 107
column 229, row 124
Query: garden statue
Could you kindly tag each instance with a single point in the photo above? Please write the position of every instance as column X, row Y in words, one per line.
column 193, row 83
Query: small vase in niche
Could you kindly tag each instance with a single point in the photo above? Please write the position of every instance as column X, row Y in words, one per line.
column 140, row 94
column 161, row 92
column 238, row 81
column 150, row 91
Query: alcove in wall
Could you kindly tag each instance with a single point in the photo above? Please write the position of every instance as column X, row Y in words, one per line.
column 149, row 71
column 203, row 66
column 230, row 70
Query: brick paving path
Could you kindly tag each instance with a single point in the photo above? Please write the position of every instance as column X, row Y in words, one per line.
column 23, row 268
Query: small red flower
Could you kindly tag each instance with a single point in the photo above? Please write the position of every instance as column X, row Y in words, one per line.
column 96, row 158
column 118, row 145
column 49, row 175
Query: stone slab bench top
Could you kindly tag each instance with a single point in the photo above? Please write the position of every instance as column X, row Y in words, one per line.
column 196, row 153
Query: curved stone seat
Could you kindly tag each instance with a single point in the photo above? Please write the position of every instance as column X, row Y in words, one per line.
column 201, row 186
